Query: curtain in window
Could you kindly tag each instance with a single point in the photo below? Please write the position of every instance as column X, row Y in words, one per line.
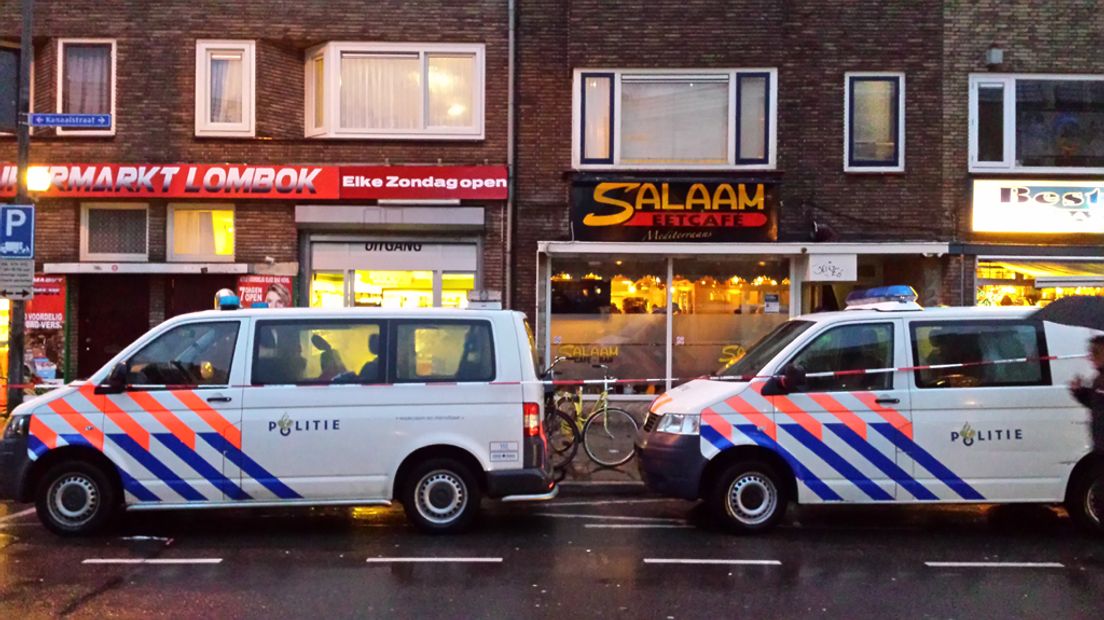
column 753, row 118
column 450, row 90
column 203, row 233
column 872, row 128
column 596, row 91
column 381, row 91
column 116, row 231
column 681, row 121
column 226, row 87
column 86, row 83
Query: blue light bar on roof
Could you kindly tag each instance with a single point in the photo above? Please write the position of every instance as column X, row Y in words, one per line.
column 881, row 294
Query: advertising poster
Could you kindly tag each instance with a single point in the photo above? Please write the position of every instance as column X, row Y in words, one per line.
column 45, row 338
column 276, row 291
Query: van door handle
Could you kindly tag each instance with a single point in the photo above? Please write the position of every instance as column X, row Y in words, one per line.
column 219, row 399
column 887, row 401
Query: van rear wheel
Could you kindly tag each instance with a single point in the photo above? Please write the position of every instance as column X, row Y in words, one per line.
column 75, row 498
column 441, row 496
column 1085, row 503
column 748, row 497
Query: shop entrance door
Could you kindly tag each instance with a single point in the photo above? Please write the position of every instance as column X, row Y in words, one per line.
column 193, row 293
column 113, row 311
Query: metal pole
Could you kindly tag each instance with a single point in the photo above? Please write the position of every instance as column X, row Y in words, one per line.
column 16, row 316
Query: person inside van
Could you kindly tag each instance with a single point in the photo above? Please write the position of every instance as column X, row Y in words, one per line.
column 370, row 371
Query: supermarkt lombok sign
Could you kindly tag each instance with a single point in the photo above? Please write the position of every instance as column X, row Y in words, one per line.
column 1038, row 206
column 674, row 210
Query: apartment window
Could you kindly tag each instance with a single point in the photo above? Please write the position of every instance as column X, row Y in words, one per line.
column 114, row 232
column 9, row 89
column 1037, row 123
column 225, row 87
column 874, row 122
column 86, row 81
column 691, row 119
column 201, row 233
column 395, row 91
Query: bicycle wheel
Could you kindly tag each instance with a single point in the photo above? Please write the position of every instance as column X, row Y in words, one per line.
column 609, row 437
column 563, row 438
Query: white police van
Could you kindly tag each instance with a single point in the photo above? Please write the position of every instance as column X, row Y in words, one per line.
column 884, row 402
column 434, row 408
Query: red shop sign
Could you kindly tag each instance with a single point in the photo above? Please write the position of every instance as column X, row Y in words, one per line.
column 183, row 181
column 424, row 182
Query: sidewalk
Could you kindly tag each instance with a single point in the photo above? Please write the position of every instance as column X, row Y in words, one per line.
column 585, row 477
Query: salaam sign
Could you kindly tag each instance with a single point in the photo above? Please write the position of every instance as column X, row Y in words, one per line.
column 674, row 210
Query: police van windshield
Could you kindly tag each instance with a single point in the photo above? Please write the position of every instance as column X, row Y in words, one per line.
column 763, row 351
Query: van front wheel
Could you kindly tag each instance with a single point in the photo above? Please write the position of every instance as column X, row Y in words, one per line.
column 748, row 497
column 1085, row 503
column 75, row 498
column 441, row 496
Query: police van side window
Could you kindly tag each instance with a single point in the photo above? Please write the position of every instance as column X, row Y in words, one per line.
column 318, row 352
column 848, row 347
column 194, row 354
column 434, row 351
column 979, row 354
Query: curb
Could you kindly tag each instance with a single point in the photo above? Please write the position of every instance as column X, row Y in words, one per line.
column 570, row 488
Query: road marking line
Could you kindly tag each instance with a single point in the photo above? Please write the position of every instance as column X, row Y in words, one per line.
column 608, row 501
column 637, row 525
column 994, row 564
column 712, row 561
column 572, row 515
column 16, row 515
column 436, row 560
column 152, row 561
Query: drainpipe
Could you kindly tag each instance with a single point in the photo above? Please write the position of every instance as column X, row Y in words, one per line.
column 511, row 156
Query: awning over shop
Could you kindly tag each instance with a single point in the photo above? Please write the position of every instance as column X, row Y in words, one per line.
column 1050, row 274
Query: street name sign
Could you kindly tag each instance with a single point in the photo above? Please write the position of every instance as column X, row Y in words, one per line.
column 76, row 121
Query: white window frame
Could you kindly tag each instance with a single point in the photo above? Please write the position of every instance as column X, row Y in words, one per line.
column 331, row 58
column 899, row 165
column 733, row 119
column 85, row 255
column 1008, row 162
column 84, row 133
column 247, row 127
column 170, row 245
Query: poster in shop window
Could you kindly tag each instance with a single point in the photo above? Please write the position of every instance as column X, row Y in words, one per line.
column 276, row 291
column 44, row 348
column 674, row 210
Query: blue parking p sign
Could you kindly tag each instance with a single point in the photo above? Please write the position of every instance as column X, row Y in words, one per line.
column 16, row 231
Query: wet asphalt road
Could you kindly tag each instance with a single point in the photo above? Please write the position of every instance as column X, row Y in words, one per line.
column 573, row 557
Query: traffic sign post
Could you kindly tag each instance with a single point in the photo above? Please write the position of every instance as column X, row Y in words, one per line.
column 75, row 121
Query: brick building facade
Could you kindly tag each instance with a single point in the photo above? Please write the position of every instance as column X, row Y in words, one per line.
column 156, row 51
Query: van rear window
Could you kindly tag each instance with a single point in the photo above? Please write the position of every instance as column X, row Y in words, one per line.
column 990, row 351
column 434, row 351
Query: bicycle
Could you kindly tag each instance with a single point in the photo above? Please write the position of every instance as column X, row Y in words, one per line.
column 608, row 433
column 559, row 428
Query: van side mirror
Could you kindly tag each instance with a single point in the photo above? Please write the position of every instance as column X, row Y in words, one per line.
column 116, row 380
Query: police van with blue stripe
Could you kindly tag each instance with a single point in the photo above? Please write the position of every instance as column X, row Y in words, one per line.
column 884, row 402
column 432, row 408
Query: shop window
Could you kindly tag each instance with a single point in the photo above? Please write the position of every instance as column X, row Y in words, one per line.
column 327, row 290
column 393, row 289
column 318, row 352
column 114, row 232
column 675, row 119
column 192, row 354
column 201, row 233
column 1035, row 123
column 427, row 351
column 720, row 307
column 613, row 312
column 225, row 87
column 86, row 81
column 874, row 124
column 396, row 91
column 455, row 288
column 978, row 343
column 849, row 347
column 1036, row 282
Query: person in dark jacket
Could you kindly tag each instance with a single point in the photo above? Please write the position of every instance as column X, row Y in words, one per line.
column 1092, row 395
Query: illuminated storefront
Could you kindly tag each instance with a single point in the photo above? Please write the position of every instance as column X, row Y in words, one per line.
column 1044, row 240
column 672, row 279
